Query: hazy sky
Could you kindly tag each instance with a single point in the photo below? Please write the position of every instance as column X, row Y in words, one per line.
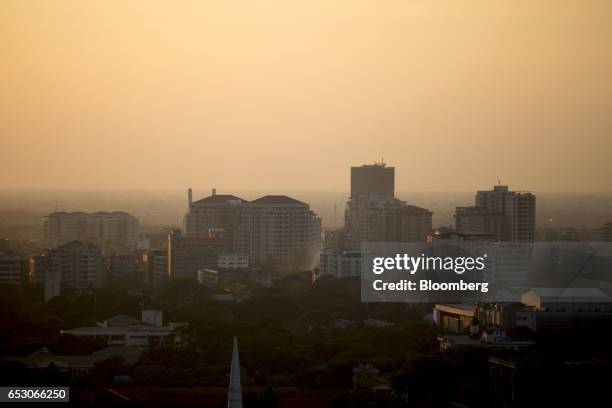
column 288, row 94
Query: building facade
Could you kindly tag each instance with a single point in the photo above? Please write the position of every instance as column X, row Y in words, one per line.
column 373, row 179
column 75, row 265
column 188, row 254
column 274, row 229
column 116, row 227
column 509, row 215
column 340, row 264
column 12, row 268
column 154, row 267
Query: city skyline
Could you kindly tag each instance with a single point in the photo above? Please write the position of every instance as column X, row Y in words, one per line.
column 120, row 96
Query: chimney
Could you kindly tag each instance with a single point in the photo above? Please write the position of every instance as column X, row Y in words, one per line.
column 189, row 196
column 214, row 191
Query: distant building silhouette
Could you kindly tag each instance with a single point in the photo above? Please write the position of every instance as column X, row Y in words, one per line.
column 604, row 234
column 273, row 229
column 75, row 265
column 116, row 227
column 153, row 266
column 12, row 268
column 373, row 214
column 121, row 266
column 373, row 179
column 509, row 215
column 188, row 254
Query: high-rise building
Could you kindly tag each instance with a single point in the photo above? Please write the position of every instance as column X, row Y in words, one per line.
column 188, row 254
column 340, row 264
column 373, row 179
column 154, row 267
column 116, row 227
column 410, row 223
column 12, row 268
column 37, row 266
column 373, row 214
column 368, row 219
column 480, row 220
column 604, row 234
column 76, row 265
column 217, row 212
column 280, row 230
column 509, row 215
column 121, row 266
column 273, row 229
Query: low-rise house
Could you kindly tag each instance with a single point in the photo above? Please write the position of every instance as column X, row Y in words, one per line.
column 74, row 365
column 124, row 330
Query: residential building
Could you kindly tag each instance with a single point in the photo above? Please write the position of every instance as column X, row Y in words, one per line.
column 410, row 223
column 274, row 229
column 509, row 215
column 374, row 214
column 74, row 365
column 121, row 266
column 217, row 212
column 75, row 265
column 368, row 218
column 37, row 268
column 154, row 267
column 101, row 227
column 188, row 254
column 223, row 276
column 604, row 234
column 232, row 261
column 340, row 264
column 12, row 268
column 480, row 220
column 280, row 231
column 121, row 330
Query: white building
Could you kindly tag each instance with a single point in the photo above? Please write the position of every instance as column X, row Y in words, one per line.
column 123, row 330
column 340, row 264
column 232, row 261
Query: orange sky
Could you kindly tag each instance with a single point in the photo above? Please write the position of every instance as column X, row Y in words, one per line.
column 288, row 94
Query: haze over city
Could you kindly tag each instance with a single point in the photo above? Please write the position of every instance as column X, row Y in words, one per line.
column 278, row 95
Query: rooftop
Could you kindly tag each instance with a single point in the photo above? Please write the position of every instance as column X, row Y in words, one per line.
column 413, row 209
column 277, row 199
column 464, row 310
column 218, row 199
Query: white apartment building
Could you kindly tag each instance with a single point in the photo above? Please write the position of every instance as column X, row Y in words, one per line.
column 340, row 264
column 232, row 261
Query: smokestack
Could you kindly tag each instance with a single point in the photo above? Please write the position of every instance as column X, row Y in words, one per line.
column 189, row 196
column 214, row 191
